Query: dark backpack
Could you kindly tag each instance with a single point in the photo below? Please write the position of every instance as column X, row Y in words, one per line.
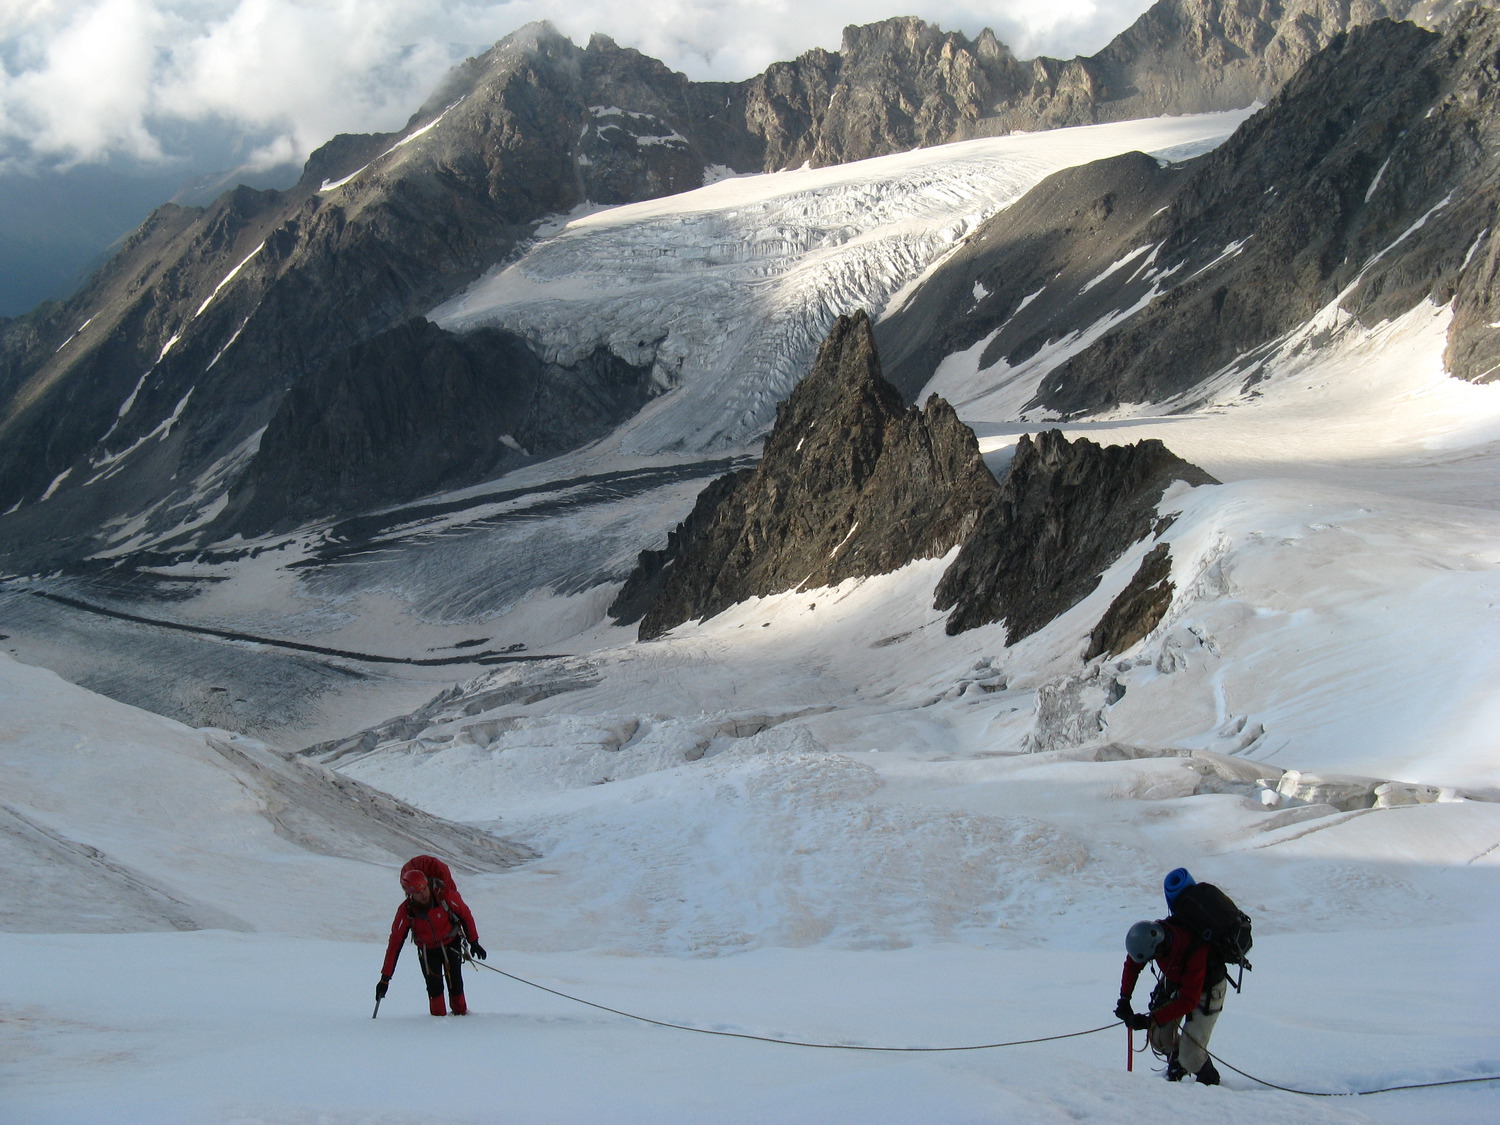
column 1212, row 918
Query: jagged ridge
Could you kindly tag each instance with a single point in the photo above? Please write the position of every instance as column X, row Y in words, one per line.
column 853, row 483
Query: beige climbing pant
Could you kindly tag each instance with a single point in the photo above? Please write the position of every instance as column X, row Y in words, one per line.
column 1189, row 1038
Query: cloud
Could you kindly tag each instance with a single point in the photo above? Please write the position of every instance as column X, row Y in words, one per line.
column 85, row 86
column 98, row 80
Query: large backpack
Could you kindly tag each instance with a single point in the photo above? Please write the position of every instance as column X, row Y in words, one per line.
column 1212, row 918
column 435, row 870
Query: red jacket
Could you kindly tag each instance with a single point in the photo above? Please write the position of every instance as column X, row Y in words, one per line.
column 429, row 926
column 1183, row 963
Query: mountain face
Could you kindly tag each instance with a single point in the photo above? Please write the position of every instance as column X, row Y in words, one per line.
column 1404, row 124
column 852, row 483
column 416, row 409
column 1027, row 277
column 170, row 362
column 145, row 396
column 1147, row 285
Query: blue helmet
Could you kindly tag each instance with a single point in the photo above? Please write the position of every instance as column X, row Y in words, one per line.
column 1175, row 883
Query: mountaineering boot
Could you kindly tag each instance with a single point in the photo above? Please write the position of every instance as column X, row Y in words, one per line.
column 1174, row 1070
column 435, row 1006
column 461, row 1008
column 1209, row 1074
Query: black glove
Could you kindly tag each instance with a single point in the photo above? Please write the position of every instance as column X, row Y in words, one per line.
column 1126, row 1015
column 477, row 949
column 380, row 989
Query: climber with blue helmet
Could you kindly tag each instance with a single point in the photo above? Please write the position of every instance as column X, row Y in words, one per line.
column 1189, row 994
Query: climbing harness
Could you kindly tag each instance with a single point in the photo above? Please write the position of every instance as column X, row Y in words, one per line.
column 783, row 1042
column 967, row 1047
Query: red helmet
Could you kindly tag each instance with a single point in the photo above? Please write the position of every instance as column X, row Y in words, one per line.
column 413, row 880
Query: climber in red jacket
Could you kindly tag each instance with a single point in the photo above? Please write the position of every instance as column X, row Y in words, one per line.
column 439, row 922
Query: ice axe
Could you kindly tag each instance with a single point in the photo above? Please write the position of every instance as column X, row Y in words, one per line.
column 376, row 1012
column 1129, row 1045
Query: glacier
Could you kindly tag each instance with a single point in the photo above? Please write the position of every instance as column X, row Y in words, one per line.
column 728, row 290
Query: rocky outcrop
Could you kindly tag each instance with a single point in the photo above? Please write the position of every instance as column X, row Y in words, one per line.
column 852, row 483
column 416, row 409
column 1064, row 513
column 1138, row 608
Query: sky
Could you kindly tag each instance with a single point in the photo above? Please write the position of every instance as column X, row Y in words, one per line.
column 92, row 81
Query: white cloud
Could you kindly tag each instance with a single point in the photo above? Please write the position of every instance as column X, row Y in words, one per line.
column 91, row 80
column 88, row 88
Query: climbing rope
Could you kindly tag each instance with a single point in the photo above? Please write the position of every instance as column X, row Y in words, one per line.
column 1352, row 1093
column 783, row 1042
column 1340, row 1093
column 968, row 1047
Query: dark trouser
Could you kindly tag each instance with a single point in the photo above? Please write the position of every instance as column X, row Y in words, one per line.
column 440, row 961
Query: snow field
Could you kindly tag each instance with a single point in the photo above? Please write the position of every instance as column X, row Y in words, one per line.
column 275, row 1028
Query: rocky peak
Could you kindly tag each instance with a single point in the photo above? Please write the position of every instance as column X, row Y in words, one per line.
column 893, row 85
column 217, row 313
column 852, row 483
column 1064, row 513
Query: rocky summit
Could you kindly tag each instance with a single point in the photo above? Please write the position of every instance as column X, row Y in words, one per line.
column 1065, row 512
column 901, row 83
column 852, row 483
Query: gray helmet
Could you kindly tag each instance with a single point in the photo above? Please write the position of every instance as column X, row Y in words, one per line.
column 1143, row 940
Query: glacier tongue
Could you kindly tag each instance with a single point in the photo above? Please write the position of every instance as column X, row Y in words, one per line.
column 728, row 290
